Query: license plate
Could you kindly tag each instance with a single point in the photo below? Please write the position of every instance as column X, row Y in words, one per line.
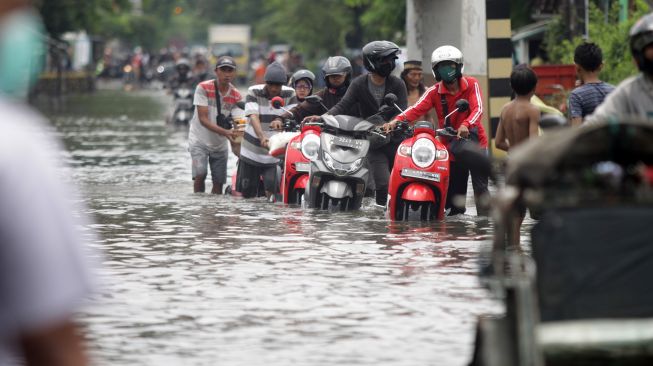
column 345, row 141
column 303, row 167
column 420, row 174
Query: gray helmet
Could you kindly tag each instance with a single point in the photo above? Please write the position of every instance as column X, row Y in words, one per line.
column 376, row 51
column 302, row 74
column 641, row 35
column 275, row 74
column 336, row 65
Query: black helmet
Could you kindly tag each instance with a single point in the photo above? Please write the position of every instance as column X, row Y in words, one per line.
column 375, row 52
column 336, row 65
column 641, row 36
column 182, row 65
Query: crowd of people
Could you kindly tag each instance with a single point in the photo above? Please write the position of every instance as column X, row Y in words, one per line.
column 44, row 273
column 363, row 95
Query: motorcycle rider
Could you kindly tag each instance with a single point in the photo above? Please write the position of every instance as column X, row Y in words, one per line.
column 633, row 96
column 302, row 81
column 366, row 94
column 337, row 76
column 182, row 77
column 255, row 162
column 447, row 66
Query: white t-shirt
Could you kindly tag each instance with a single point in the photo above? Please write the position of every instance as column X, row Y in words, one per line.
column 205, row 96
column 44, row 270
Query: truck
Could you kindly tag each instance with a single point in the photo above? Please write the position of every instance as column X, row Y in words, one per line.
column 232, row 40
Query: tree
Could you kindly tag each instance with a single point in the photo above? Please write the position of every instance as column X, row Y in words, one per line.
column 606, row 31
column 60, row 16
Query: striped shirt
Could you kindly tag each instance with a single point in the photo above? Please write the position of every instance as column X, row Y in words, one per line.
column 258, row 102
column 205, row 96
column 584, row 99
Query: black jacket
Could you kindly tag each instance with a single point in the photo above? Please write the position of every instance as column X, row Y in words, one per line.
column 359, row 97
column 305, row 109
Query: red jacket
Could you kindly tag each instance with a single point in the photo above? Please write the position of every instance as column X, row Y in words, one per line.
column 469, row 89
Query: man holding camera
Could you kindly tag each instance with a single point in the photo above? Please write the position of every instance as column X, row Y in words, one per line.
column 210, row 129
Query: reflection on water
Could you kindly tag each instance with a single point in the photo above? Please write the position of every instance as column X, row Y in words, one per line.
column 205, row 280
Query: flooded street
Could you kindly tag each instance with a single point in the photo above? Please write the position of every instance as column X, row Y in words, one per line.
column 196, row 279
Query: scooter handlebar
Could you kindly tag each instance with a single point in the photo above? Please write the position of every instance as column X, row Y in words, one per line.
column 446, row 132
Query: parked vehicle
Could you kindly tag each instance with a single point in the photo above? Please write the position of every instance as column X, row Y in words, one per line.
column 582, row 296
column 231, row 40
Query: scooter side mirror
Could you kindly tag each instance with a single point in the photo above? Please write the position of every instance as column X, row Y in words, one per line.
column 313, row 99
column 390, row 99
column 277, row 102
column 548, row 121
column 462, row 105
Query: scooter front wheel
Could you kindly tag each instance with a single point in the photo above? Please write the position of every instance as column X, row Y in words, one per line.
column 424, row 211
column 298, row 196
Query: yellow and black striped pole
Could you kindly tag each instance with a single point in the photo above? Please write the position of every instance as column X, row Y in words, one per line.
column 499, row 60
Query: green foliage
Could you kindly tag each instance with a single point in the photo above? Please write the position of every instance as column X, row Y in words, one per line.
column 607, row 32
column 60, row 16
column 314, row 27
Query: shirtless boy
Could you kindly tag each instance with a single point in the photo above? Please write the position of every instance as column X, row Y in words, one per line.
column 519, row 118
column 518, row 121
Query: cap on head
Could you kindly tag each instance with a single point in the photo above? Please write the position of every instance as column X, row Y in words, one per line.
column 225, row 61
column 275, row 74
column 413, row 64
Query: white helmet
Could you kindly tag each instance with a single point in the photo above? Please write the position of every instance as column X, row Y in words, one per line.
column 447, row 53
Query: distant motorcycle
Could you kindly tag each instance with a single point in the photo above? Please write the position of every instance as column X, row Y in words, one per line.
column 183, row 105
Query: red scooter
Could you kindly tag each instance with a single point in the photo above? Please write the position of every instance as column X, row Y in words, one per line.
column 420, row 176
column 299, row 152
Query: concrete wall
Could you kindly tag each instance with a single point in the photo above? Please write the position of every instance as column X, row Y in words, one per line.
column 460, row 23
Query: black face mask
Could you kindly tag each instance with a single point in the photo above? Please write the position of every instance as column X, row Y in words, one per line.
column 647, row 66
column 385, row 69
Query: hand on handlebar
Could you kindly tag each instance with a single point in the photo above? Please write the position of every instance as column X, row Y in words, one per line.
column 388, row 127
column 463, row 131
column 276, row 124
column 313, row 118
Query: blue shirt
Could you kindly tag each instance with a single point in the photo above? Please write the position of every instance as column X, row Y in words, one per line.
column 584, row 99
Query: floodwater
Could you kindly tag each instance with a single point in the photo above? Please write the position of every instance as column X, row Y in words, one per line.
column 198, row 279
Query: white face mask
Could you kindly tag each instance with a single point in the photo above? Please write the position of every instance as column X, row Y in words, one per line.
column 21, row 52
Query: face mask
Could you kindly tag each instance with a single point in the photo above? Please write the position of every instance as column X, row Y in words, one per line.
column 21, row 52
column 385, row 69
column 447, row 73
column 647, row 66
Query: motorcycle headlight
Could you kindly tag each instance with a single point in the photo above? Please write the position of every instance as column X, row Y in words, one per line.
column 442, row 154
column 328, row 161
column 356, row 165
column 423, row 152
column 310, row 146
